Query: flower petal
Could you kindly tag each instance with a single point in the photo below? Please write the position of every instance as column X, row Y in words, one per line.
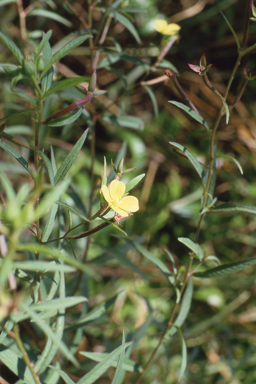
column 105, row 192
column 160, row 25
column 171, row 29
column 120, row 211
column 129, row 203
column 116, row 189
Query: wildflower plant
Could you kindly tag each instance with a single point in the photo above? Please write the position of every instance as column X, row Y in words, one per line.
column 60, row 202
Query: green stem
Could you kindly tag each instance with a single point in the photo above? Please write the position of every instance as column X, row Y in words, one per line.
column 24, row 353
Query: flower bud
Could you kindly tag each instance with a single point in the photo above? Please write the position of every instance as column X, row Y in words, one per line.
column 28, row 68
column 40, row 63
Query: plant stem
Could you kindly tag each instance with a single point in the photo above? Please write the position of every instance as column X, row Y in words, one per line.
column 24, row 353
column 23, row 30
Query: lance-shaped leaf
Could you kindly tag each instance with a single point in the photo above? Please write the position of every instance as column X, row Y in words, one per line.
column 233, row 207
column 64, row 51
column 193, row 246
column 59, row 255
column 44, row 266
column 72, row 82
column 66, row 119
column 45, row 39
column 183, row 353
column 66, row 165
column 232, row 30
column 50, row 15
column 191, row 113
column 153, row 99
column 13, row 47
column 14, row 362
column 226, row 269
column 17, row 156
column 73, row 210
column 184, row 308
column 126, row 22
column 128, row 365
column 235, row 161
column 163, row 268
column 191, row 158
column 132, row 183
column 48, row 75
column 62, row 374
column 48, row 332
column 126, row 121
column 100, row 368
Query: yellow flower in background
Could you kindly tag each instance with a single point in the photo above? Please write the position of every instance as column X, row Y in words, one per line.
column 163, row 27
column 118, row 200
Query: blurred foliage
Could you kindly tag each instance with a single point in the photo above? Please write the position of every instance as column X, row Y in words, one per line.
column 219, row 330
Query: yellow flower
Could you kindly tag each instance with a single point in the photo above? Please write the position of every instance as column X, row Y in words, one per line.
column 117, row 200
column 163, row 27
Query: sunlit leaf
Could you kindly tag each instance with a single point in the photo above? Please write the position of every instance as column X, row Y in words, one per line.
column 191, row 113
column 226, row 269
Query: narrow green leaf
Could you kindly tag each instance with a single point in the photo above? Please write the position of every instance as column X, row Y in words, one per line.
column 50, row 15
column 125, row 261
column 184, row 308
column 66, row 165
column 64, row 51
column 125, row 121
column 43, row 42
column 48, row 332
column 172, row 261
column 49, row 225
column 163, row 268
column 48, row 75
column 58, row 304
column 64, row 376
column 7, row 326
column 193, row 246
column 67, row 118
column 30, row 99
column 235, row 161
column 4, row 2
column 15, row 363
column 92, row 315
column 128, row 365
column 119, row 369
column 226, row 269
column 48, row 166
column 72, row 82
column 227, row 111
column 232, row 207
column 128, row 25
column 191, row 158
column 44, row 266
column 46, row 359
column 7, row 186
column 119, row 74
column 153, row 99
column 132, row 183
column 232, row 30
column 16, row 114
column 59, row 255
column 191, row 113
column 73, row 210
column 50, row 198
column 17, row 156
column 13, row 47
column 100, row 368
column 183, row 353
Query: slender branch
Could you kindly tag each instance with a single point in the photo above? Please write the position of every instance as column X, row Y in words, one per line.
column 24, row 353
column 23, row 30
